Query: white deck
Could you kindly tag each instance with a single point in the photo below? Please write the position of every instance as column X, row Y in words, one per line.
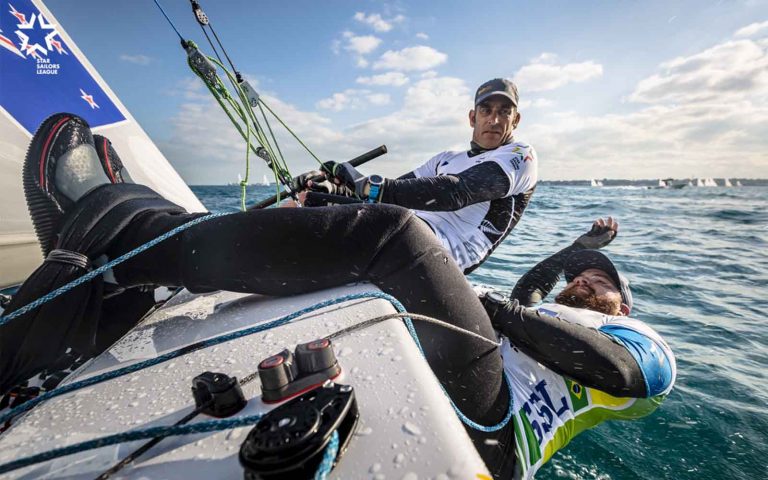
column 407, row 425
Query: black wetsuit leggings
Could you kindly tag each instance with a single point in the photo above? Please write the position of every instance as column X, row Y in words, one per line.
column 296, row 250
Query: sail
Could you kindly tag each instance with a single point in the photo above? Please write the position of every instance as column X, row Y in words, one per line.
column 44, row 72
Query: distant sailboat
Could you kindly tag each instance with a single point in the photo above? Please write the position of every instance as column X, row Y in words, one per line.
column 662, row 184
column 728, row 183
column 236, row 184
column 738, row 183
column 700, row 182
column 595, row 183
column 710, row 182
column 266, row 181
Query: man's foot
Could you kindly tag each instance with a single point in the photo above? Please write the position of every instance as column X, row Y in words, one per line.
column 110, row 161
column 61, row 166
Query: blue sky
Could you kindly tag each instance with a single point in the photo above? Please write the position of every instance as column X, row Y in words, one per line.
column 608, row 89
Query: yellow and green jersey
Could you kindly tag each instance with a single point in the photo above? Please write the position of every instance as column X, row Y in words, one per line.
column 550, row 409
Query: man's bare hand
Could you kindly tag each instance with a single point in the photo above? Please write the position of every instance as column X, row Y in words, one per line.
column 603, row 231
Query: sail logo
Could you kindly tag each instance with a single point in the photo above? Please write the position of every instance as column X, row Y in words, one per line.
column 43, row 72
column 37, row 39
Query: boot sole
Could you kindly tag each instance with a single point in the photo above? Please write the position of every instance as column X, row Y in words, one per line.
column 46, row 213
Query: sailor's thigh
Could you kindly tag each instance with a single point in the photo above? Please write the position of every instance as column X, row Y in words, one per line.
column 296, row 245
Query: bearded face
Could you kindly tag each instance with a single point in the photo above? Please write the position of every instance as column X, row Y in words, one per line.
column 581, row 295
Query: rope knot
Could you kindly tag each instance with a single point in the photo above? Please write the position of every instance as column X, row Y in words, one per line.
column 69, row 257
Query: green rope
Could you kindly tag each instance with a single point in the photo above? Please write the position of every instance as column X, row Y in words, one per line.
column 243, row 116
column 291, row 132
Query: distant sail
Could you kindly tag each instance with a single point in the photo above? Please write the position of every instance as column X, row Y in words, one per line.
column 595, row 183
column 728, row 183
column 265, row 182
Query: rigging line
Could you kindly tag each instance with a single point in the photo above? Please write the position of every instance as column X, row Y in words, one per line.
column 413, row 316
column 131, row 435
column 266, row 120
column 210, row 42
column 107, row 266
column 141, row 365
column 203, row 19
column 184, row 420
column 291, row 132
column 169, row 20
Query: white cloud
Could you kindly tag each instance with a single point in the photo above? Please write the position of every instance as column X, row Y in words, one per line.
column 544, row 74
column 690, row 120
column 376, row 21
column 395, row 79
column 336, row 102
column 422, row 36
column 379, row 99
column 411, row 58
column 702, row 115
column 361, row 45
column 352, row 99
column 727, row 72
column 136, row 59
column 205, row 148
column 536, row 103
column 752, row 29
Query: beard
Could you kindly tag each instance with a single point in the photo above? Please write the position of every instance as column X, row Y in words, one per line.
column 574, row 297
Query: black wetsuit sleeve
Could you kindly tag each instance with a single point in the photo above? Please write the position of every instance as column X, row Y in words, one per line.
column 483, row 182
column 583, row 354
column 406, row 176
column 536, row 284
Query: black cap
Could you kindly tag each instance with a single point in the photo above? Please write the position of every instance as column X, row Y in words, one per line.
column 582, row 260
column 497, row 86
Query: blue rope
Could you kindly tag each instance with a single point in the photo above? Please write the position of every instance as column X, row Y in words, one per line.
column 151, row 432
column 107, row 266
column 216, row 424
column 467, row 421
column 183, row 351
column 326, row 464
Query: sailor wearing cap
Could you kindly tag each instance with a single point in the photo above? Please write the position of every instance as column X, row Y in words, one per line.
column 471, row 199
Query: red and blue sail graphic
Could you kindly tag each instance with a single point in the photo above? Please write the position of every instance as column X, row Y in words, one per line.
column 41, row 75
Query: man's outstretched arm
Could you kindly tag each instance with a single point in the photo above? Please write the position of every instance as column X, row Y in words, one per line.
column 596, row 358
column 536, row 284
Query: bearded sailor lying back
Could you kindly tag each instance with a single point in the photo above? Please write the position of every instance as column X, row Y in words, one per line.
column 578, row 361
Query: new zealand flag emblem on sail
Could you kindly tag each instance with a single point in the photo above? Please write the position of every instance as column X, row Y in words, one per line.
column 41, row 75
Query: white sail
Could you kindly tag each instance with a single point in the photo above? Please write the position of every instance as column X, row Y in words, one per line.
column 29, row 95
column 728, row 183
column 266, row 181
column 662, row 184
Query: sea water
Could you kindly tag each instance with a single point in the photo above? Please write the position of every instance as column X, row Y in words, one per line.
column 697, row 259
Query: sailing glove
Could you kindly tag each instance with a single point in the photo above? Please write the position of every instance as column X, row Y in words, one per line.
column 349, row 176
column 598, row 237
column 318, row 181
